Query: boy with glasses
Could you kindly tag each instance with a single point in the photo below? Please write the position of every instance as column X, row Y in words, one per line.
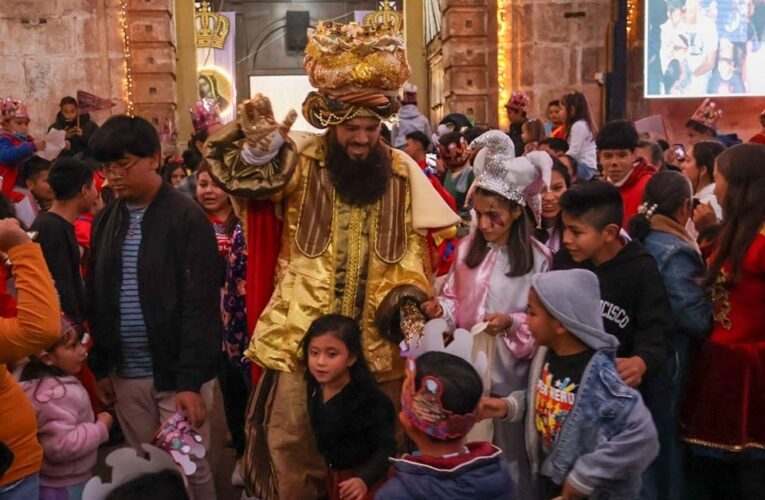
column 153, row 288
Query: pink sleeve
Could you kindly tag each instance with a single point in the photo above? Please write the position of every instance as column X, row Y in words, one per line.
column 62, row 434
column 518, row 338
column 64, row 440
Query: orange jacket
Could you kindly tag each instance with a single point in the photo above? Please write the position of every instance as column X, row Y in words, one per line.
column 36, row 326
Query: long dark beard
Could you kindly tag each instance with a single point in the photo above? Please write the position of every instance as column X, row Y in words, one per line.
column 359, row 182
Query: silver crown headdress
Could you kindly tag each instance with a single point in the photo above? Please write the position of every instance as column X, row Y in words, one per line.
column 519, row 179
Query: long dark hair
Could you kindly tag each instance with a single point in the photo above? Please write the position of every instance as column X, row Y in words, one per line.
column 540, row 233
column 520, row 251
column 743, row 168
column 667, row 190
column 705, row 153
column 230, row 223
column 347, row 331
column 577, row 108
column 573, row 175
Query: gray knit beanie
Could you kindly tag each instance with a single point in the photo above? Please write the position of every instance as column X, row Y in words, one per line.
column 573, row 298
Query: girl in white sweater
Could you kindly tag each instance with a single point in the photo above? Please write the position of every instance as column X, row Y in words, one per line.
column 580, row 133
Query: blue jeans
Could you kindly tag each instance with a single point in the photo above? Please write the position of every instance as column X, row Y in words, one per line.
column 27, row 488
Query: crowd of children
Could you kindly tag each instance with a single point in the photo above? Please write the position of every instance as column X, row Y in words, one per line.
column 612, row 288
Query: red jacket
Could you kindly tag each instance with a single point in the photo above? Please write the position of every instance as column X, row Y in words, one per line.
column 632, row 189
column 758, row 139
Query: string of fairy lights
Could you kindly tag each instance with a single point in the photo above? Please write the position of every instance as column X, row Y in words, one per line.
column 502, row 58
column 123, row 21
column 632, row 11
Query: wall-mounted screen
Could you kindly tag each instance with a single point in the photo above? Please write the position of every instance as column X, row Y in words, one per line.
column 704, row 48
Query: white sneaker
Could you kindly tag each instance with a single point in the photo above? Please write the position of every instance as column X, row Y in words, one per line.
column 237, row 481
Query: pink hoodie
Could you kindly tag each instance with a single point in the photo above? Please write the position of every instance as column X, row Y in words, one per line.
column 66, row 429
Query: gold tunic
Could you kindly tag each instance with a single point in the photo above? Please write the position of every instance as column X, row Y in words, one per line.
column 334, row 257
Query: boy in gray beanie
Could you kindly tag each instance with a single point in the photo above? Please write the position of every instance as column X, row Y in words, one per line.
column 588, row 434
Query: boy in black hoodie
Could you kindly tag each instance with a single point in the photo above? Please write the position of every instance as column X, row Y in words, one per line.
column 634, row 303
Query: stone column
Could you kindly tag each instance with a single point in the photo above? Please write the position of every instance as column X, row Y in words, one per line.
column 153, row 45
column 415, row 49
column 469, row 55
column 186, row 67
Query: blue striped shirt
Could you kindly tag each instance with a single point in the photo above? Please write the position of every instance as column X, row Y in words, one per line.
column 136, row 357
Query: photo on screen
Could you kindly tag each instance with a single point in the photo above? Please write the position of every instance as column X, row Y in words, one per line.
column 704, row 48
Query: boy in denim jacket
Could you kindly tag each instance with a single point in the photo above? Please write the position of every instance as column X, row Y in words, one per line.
column 588, row 434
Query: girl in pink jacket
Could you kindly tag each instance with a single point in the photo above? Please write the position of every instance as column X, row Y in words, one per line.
column 68, row 433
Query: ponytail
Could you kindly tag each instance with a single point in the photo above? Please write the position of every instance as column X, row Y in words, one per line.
column 639, row 226
column 665, row 194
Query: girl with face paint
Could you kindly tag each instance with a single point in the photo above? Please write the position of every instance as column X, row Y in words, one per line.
column 488, row 285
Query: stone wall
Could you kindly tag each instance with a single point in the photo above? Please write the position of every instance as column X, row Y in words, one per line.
column 52, row 48
column 553, row 53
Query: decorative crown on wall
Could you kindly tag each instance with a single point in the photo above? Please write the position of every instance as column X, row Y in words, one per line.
column 211, row 28
column 387, row 18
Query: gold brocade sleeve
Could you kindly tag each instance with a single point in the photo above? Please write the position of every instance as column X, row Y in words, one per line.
column 383, row 356
column 223, row 152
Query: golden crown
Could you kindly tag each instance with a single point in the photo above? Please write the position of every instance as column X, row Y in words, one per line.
column 387, row 17
column 358, row 57
column 211, row 28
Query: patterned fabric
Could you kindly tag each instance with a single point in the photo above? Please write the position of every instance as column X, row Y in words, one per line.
column 223, row 240
column 724, row 405
column 235, row 338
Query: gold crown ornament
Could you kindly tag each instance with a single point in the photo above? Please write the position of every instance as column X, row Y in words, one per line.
column 211, row 28
column 369, row 57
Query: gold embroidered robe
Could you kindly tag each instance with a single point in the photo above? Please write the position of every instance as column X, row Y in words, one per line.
column 334, row 257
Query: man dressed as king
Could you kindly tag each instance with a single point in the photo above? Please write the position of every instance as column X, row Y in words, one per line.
column 355, row 214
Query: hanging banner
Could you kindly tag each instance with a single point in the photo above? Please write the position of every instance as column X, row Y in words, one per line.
column 216, row 58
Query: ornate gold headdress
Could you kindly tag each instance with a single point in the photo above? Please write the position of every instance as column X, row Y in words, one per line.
column 358, row 68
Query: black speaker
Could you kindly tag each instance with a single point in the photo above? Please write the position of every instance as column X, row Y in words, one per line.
column 297, row 27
